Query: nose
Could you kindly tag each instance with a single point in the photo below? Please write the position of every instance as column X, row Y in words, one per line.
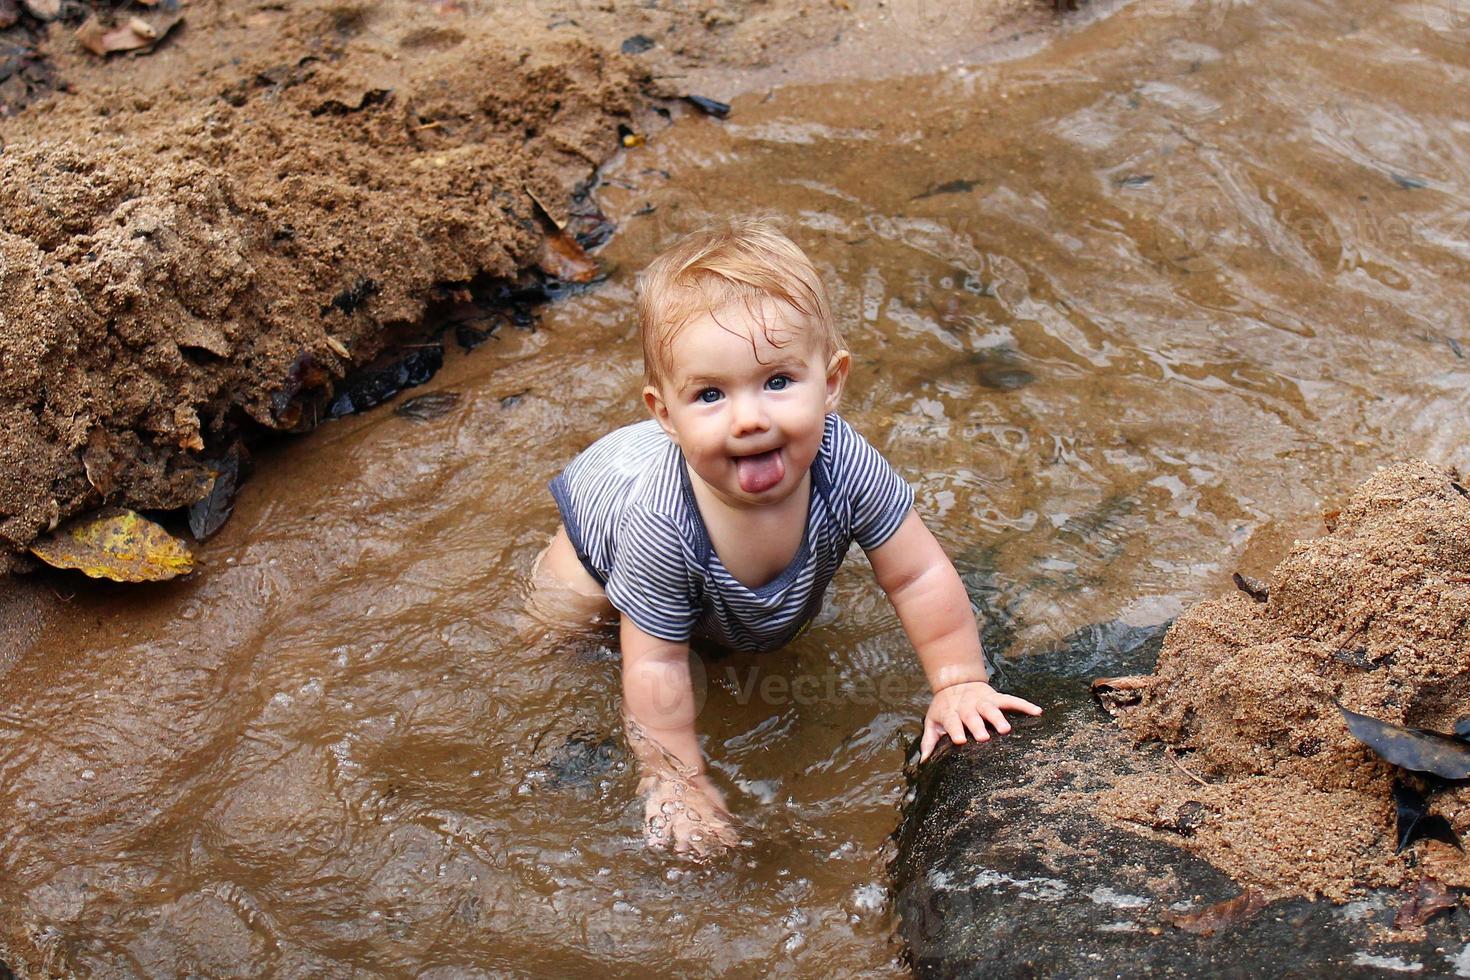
column 747, row 415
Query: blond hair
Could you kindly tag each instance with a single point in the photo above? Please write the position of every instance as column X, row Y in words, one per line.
column 744, row 259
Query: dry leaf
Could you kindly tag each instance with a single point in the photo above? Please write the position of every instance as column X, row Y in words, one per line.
column 1212, row 918
column 1415, row 749
column 137, row 35
column 1426, row 900
column 562, row 258
column 1117, row 693
column 90, row 35
column 117, row 544
column 209, row 513
column 549, row 214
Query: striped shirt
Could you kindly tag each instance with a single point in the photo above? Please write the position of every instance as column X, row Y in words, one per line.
column 631, row 515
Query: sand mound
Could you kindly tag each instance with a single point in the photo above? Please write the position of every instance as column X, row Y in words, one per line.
column 1375, row 614
column 172, row 243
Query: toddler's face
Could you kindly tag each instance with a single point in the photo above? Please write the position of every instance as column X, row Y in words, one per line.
column 747, row 414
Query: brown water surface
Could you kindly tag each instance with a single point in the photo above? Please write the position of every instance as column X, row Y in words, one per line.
column 1127, row 305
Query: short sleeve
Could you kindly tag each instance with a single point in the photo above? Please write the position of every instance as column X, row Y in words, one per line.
column 650, row 581
column 879, row 497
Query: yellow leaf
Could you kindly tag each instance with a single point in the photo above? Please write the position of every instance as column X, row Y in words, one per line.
column 117, row 544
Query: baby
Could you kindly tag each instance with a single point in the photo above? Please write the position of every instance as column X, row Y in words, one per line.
column 725, row 516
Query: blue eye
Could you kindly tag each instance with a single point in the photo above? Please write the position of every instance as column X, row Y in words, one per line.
column 779, row 383
column 709, row 395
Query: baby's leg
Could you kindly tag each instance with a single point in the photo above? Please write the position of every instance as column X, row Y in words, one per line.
column 563, row 593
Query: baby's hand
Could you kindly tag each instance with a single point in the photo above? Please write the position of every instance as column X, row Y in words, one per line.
column 969, row 705
column 689, row 813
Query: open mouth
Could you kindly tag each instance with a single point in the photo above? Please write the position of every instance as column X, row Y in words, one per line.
column 760, row 472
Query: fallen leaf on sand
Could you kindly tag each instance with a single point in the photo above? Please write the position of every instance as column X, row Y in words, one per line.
column 137, row 35
column 1411, row 748
column 1212, row 918
column 1424, row 901
column 1116, row 693
column 117, row 544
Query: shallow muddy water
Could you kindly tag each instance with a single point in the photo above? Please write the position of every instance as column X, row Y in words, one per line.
column 1128, row 307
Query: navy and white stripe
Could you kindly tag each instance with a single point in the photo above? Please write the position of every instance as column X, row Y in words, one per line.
column 630, row 512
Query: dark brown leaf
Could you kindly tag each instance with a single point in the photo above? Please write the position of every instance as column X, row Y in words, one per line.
column 1424, row 901
column 210, row 512
column 1212, row 918
column 1411, row 748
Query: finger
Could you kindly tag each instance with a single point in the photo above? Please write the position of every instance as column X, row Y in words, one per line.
column 1017, row 704
column 977, row 725
column 926, row 744
column 955, row 728
column 997, row 720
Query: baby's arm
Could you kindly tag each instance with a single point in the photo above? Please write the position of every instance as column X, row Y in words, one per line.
column 682, row 806
column 934, row 608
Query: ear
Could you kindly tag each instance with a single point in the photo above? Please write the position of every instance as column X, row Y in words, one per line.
column 837, row 369
column 654, row 399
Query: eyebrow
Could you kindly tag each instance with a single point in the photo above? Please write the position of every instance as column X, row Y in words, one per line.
column 705, row 381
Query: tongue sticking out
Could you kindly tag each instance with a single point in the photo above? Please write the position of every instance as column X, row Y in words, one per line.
column 760, row 473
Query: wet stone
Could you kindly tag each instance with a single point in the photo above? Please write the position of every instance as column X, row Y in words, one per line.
column 977, row 897
column 583, row 760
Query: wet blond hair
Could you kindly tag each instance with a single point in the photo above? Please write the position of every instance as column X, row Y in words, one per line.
column 744, row 259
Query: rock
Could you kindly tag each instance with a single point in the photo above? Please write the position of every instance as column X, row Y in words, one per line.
column 1003, row 869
